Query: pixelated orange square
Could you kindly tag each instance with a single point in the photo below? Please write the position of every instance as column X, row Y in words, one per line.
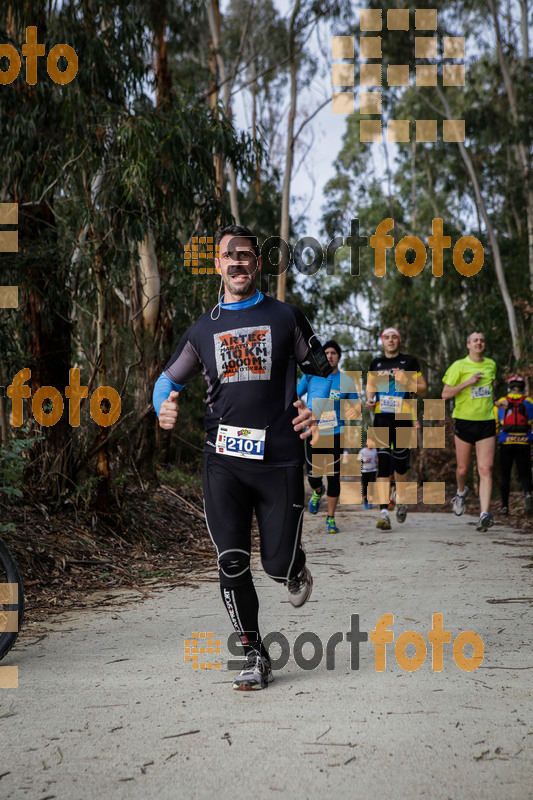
column 398, row 130
column 350, row 437
column 370, row 19
column 398, row 19
column 351, row 494
column 434, row 409
column 426, row 74
column 425, row 47
column 407, row 383
column 9, row 622
column 370, row 102
column 434, row 437
column 454, row 47
column 370, row 75
column 322, row 464
column 9, row 241
column 453, row 75
column 453, row 130
column 406, row 437
column 342, row 74
column 343, row 103
column 350, row 410
column 9, row 213
column 406, row 492
column 379, row 435
column 9, row 593
column 408, row 410
column 433, row 492
column 398, row 75
column 370, row 47
column 426, row 19
column 350, row 465
column 351, row 381
column 9, row 296
column 370, row 130
column 426, row 130
column 379, row 491
column 9, row 677
column 342, row 46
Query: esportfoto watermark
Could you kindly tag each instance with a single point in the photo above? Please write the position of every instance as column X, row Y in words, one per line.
column 371, row 74
column 32, row 50
column 201, row 645
column 309, row 256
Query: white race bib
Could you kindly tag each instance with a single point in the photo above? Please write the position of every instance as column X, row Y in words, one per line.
column 241, row 442
column 479, row 391
column 390, row 404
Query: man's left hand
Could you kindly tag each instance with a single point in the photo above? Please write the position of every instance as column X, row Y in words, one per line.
column 304, row 421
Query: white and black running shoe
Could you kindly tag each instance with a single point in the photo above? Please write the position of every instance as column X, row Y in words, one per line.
column 255, row 674
column 300, row 588
column 485, row 522
column 459, row 502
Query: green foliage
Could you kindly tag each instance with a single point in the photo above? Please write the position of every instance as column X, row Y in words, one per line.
column 12, row 466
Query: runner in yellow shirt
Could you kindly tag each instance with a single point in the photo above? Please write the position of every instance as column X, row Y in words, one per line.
column 469, row 381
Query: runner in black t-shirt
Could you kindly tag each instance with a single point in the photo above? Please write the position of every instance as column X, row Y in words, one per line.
column 247, row 348
column 393, row 379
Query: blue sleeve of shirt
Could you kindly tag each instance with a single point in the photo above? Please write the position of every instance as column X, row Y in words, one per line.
column 319, row 389
column 303, row 386
column 163, row 387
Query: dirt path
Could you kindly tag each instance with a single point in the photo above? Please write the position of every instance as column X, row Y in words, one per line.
column 107, row 706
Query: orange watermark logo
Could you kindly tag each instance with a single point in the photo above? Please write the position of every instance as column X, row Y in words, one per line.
column 315, row 648
column 75, row 392
column 309, row 255
column 9, row 676
column 9, row 243
column 398, row 75
column 32, row 50
column 198, row 647
column 201, row 248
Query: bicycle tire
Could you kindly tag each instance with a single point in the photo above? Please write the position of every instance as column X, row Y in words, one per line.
column 9, row 574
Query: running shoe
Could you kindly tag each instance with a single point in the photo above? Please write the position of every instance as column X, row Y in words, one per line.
column 256, row 673
column 529, row 504
column 485, row 522
column 392, row 500
column 316, row 499
column 368, row 506
column 503, row 510
column 459, row 502
column 331, row 527
column 401, row 513
column 384, row 521
column 300, row 588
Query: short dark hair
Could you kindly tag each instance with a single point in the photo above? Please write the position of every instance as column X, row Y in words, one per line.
column 238, row 230
column 332, row 343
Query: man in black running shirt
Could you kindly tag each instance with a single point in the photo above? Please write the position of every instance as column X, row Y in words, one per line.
column 247, row 348
column 393, row 379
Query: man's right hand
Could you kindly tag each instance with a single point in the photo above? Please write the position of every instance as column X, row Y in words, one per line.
column 168, row 413
column 474, row 379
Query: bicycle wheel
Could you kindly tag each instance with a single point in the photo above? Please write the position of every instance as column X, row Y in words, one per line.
column 11, row 601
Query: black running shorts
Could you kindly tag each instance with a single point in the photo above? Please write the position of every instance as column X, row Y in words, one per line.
column 233, row 489
column 473, row 431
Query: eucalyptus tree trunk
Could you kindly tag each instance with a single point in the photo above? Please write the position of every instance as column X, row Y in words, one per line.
column 102, row 455
column 522, row 151
column 498, row 265
column 213, row 14
column 284, row 231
